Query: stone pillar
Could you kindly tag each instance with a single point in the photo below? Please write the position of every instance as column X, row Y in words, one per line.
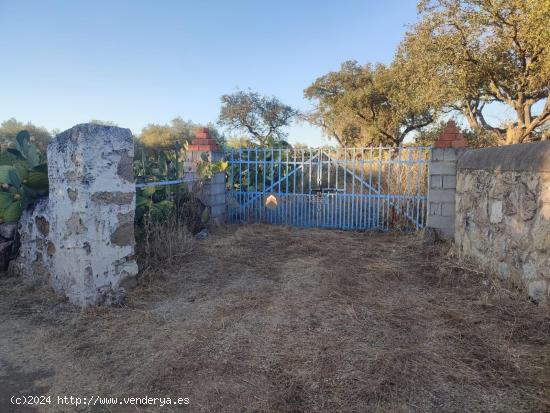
column 442, row 180
column 212, row 192
column 81, row 240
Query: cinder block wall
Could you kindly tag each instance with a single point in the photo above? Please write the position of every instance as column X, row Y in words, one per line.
column 442, row 181
column 503, row 213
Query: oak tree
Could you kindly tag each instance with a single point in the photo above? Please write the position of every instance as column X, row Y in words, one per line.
column 264, row 119
column 469, row 54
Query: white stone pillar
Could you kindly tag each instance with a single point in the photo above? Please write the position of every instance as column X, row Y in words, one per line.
column 82, row 240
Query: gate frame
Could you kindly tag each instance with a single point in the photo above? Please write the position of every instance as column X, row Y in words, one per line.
column 383, row 203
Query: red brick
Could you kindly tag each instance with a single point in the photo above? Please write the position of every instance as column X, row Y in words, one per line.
column 447, row 136
column 442, row 144
column 207, row 147
column 451, row 137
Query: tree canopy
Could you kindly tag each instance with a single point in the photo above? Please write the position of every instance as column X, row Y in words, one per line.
column 467, row 54
column 365, row 105
column 462, row 57
column 264, row 119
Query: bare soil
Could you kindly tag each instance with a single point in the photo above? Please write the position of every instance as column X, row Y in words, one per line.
column 275, row 319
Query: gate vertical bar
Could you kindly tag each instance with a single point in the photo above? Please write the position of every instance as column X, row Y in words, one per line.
column 345, row 198
column 370, row 203
column 355, row 179
column 362, row 161
column 256, row 192
column 418, row 171
column 287, row 197
column 231, row 211
column 408, row 196
column 294, row 203
column 321, row 198
column 264, row 213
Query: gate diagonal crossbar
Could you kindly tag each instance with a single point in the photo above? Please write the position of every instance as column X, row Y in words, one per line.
column 346, row 188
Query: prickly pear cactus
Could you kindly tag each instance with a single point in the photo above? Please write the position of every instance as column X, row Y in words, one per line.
column 23, row 178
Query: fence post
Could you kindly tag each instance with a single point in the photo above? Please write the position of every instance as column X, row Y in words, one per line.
column 442, row 180
column 212, row 194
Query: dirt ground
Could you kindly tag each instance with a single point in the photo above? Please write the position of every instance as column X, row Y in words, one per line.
column 275, row 319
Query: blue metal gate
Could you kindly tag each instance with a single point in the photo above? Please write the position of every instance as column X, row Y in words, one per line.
column 345, row 188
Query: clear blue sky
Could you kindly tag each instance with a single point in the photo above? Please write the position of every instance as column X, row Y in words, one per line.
column 137, row 62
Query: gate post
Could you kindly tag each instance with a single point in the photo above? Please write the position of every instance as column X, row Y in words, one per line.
column 80, row 240
column 442, row 180
column 212, row 194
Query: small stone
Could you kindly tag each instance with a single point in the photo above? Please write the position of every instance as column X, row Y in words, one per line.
column 125, row 167
column 129, row 282
column 496, row 214
column 109, row 297
column 72, row 193
column 503, row 271
column 537, row 291
column 527, row 203
column 7, row 231
column 202, row 234
column 429, row 236
column 6, row 251
column 118, row 198
column 123, row 235
column 50, row 248
column 43, row 225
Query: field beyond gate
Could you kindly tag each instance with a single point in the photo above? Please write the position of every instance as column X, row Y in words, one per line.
column 345, row 188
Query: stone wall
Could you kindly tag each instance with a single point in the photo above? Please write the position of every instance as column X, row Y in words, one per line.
column 81, row 239
column 503, row 213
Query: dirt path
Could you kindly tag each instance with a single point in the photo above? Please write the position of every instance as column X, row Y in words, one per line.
column 275, row 319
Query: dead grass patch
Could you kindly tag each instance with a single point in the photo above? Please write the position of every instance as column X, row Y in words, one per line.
column 275, row 319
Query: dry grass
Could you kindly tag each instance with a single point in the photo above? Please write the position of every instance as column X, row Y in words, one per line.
column 162, row 244
column 274, row 319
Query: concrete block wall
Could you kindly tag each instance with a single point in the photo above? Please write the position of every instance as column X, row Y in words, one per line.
column 211, row 192
column 442, row 180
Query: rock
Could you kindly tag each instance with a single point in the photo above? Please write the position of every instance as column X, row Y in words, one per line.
column 129, row 283
column 109, row 297
column 202, row 234
column 6, row 253
column 496, row 213
column 537, row 291
column 7, row 231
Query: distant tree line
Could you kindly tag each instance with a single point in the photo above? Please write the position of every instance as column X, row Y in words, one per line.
column 174, row 135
